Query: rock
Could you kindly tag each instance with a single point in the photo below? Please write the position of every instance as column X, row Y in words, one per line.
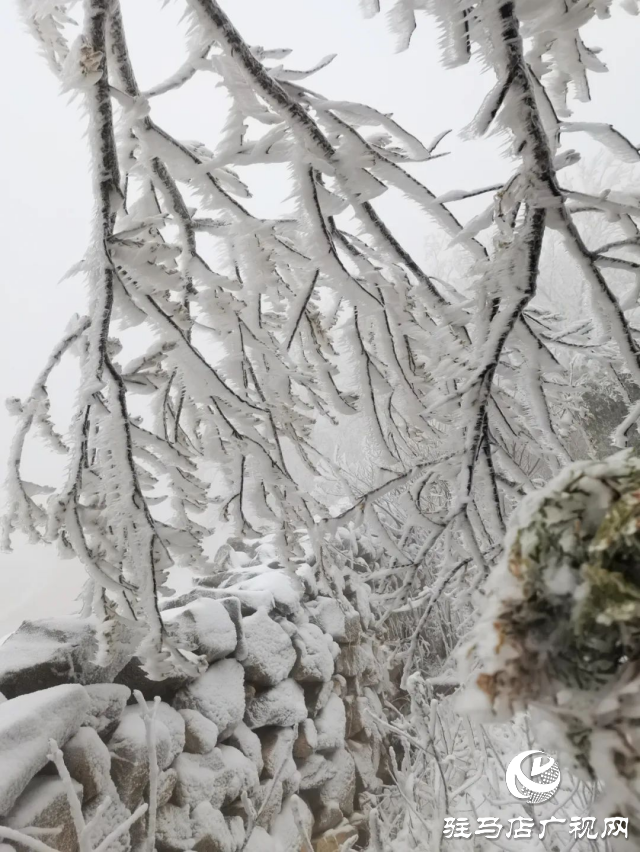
column 317, row 695
column 44, row 804
column 88, row 760
column 113, row 815
column 331, row 724
column 283, row 590
column 328, row 816
column 307, row 740
column 47, row 653
column 173, row 830
column 277, row 750
column 315, row 771
column 293, row 826
column 334, row 840
column 244, row 768
column 341, row 788
column 166, row 786
column 249, row 744
column 366, row 757
column 352, row 627
column 260, row 841
column 327, row 614
column 314, row 661
column 135, row 677
column 282, row 705
column 210, row 831
column 130, row 757
column 26, row 725
column 204, row 778
column 204, row 626
column 175, row 725
column 271, row 796
column 270, row 656
column 201, row 734
column 218, row 694
column 106, row 705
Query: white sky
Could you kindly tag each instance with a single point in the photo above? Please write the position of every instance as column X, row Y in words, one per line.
column 45, row 205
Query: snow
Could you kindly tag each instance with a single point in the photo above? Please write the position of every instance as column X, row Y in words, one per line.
column 205, row 626
column 27, row 724
column 106, row 704
column 248, row 742
column 281, row 705
column 331, row 724
column 218, row 694
column 201, row 734
column 292, row 825
column 315, row 654
column 269, row 653
column 210, row 829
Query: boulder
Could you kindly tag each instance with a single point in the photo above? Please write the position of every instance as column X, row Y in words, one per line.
column 331, row 724
column 260, row 841
column 270, row 656
column 218, row 694
column 293, row 826
column 341, row 788
column 249, row 744
column 173, row 829
column 44, row 804
column 314, row 662
column 204, row 626
column 113, row 814
column 88, row 760
column 201, row 734
column 334, row 840
column 211, row 833
column 277, row 750
column 315, row 771
column 307, row 740
column 282, row 705
column 106, row 705
column 54, row 651
column 329, row 616
column 135, row 677
column 243, row 768
column 27, row 724
column 204, row 778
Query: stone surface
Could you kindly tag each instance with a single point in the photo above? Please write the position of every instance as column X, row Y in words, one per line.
column 44, row 804
column 334, row 840
column 88, row 760
column 341, row 787
column 270, row 656
column 249, row 744
column 260, row 841
column 282, row 705
column 201, row 734
column 331, row 723
column 210, row 830
column 315, row 771
column 106, row 705
column 114, row 814
column 272, row 794
column 293, row 826
column 204, row 778
column 277, row 749
column 173, row 833
column 166, row 786
column 314, row 659
column 366, row 757
column 204, row 626
column 329, row 616
column 307, row 740
column 242, row 767
column 317, row 695
column 218, row 694
column 134, row 677
column 54, row 651
column 26, row 725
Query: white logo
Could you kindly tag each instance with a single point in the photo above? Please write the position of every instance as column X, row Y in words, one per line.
column 543, row 769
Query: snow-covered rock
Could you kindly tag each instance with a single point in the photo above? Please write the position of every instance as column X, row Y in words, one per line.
column 201, row 734
column 317, row 695
column 331, row 724
column 293, row 826
column 366, row 757
column 218, row 694
column 173, row 830
column 249, row 744
column 314, row 661
column 315, row 771
column 42, row 654
column 43, row 804
column 106, row 705
column 334, row 839
column 243, row 767
column 307, row 740
column 270, row 656
column 166, row 785
column 277, row 749
column 282, row 705
column 26, row 725
column 204, row 778
column 113, row 814
column 260, row 841
column 204, row 626
column 211, row 833
column 285, row 590
column 341, row 787
column 88, row 760
column 327, row 614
